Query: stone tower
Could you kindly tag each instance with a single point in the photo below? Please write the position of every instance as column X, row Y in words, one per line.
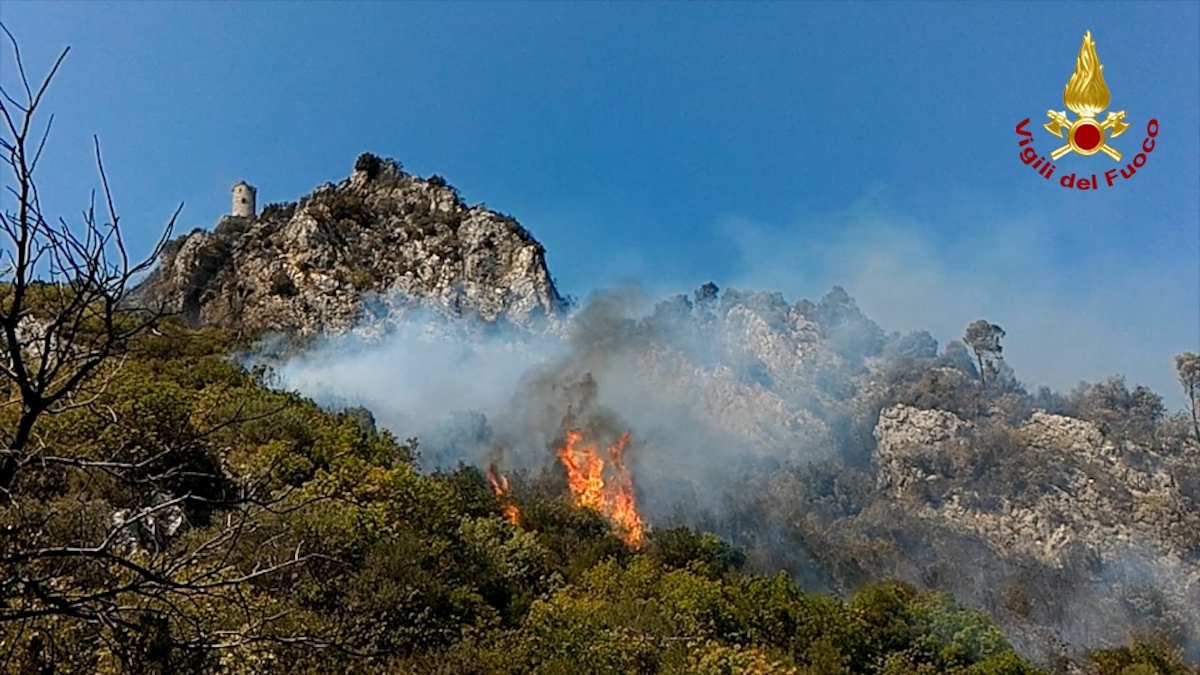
column 244, row 196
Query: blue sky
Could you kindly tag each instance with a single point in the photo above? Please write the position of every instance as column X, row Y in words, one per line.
column 785, row 146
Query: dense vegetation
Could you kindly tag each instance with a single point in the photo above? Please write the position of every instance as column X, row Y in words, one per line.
column 394, row 570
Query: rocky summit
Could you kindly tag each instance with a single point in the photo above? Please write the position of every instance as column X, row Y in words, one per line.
column 378, row 243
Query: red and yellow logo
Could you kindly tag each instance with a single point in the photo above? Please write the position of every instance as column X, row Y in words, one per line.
column 1087, row 96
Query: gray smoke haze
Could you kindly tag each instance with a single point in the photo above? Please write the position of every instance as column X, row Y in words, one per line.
column 1113, row 312
column 504, row 395
column 418, row 376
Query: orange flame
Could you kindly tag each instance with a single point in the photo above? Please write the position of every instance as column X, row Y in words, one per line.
column 500, row 486
column 585, row 478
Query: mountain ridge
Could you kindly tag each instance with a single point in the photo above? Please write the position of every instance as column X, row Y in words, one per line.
column 380, row 241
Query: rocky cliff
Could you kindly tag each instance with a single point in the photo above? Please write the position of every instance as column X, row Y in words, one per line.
column 375, row 244
column 1089, row 492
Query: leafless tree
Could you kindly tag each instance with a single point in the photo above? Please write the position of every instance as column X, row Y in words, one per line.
column 63, row 288
column 66, row 327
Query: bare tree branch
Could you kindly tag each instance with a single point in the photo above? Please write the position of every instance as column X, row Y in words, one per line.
column 63, row 310
column 66, row 328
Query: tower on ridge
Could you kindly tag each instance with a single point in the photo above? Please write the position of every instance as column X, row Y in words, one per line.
column 244, row 198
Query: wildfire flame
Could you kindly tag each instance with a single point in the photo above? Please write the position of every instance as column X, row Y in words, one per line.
column 500, row 486
column 585, row 478
column 1086, row 94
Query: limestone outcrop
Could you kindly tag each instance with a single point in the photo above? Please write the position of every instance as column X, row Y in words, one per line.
column 1096, row 496
column 377, row 244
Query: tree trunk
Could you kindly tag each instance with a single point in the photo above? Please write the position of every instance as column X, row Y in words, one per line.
column 16, row 451
column 1194, row 395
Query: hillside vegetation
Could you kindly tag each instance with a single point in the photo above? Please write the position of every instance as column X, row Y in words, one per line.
column 397, row 571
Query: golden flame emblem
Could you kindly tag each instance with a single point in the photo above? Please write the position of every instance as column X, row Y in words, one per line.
column 1086, row 95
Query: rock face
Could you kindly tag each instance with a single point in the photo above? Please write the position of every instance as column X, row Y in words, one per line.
column 1099, row 497
column 149, row 528
column 378, row 243
column 1108, row 519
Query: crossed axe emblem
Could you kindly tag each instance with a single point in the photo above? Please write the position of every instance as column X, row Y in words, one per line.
column 1059, row 122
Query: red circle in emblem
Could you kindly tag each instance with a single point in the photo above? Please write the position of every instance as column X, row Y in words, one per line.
column 1087, row 136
